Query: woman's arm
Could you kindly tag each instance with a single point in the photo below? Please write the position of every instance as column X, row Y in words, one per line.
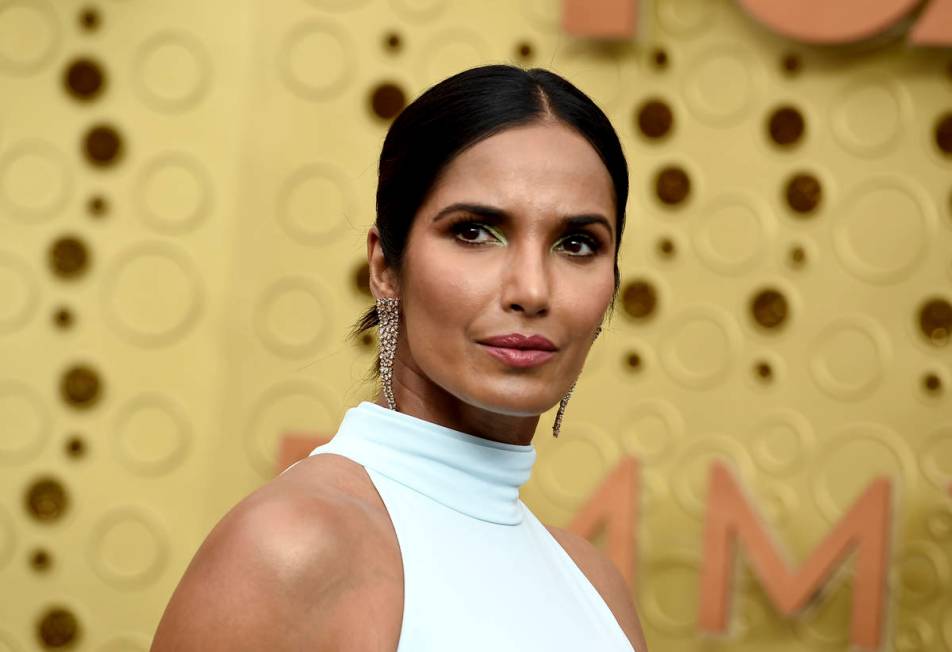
column 265, row 578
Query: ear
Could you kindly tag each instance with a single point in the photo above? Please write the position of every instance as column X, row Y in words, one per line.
column 383, row 279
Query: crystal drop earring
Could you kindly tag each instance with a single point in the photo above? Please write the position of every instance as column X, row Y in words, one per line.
column 388, row 314
column 565, row 399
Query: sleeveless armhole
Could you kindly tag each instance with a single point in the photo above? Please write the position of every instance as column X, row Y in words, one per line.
column 396, row 516
column 291, row 466
column 578, row 577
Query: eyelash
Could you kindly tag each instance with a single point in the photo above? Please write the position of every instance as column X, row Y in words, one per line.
column 461, row 224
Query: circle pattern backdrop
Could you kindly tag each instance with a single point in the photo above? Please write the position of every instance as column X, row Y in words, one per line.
column 35, row 180
column 153, row 294
column 172, row 71
column 29, row 36
column 185, row 194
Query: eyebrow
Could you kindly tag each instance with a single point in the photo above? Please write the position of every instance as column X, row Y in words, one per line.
column 497, row 214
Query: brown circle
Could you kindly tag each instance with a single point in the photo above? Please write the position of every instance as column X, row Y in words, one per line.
column 666, row 248
column 763, row 370
column 524, row 50
column 367, row 340
column 68, row 257
column 80, row 387
column 63, row 318
column 798, row 256
column 639, row 299
column 84, row 79
column 40, row 560
column 633, row 360
column 362, row 279
column 659, row 57
column 46, row 500
column 935, row 321
column 75, row 447
column 943, row 133
column 97, row 206
column 655, row 118
column 102, row 145
column 672, row 185
column 89, row 19
column 803, row 193
column 387, row 100
column 791, row 64
column 785, row 126
column 769, row 308
column 57, row 628
column 932, row 383
column 392, row 42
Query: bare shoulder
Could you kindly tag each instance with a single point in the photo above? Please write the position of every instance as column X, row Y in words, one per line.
column 273, row 573
column 607, row 580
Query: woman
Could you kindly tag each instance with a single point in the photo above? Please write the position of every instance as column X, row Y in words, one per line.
column 500, row 207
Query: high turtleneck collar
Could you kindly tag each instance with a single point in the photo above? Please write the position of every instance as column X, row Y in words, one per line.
column 470, row 474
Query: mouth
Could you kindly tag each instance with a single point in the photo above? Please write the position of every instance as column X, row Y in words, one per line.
column 518, row 357
column 519, row 350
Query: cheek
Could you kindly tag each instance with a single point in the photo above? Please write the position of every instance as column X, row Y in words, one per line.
column 435, row 284
column 442, row 294
column 584, row 307
column 588, row 301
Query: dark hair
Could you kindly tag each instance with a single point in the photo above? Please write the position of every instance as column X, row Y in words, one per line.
column 459, row 112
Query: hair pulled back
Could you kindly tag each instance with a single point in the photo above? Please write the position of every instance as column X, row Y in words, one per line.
column 459, row 112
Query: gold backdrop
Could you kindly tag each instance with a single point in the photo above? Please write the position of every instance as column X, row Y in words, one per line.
column 185, row 189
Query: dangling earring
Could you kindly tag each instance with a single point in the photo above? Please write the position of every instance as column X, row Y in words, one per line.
column 565, row 399
column 388, row 314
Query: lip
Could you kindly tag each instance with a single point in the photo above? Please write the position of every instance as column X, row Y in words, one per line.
column 523, row 342
column 519, row 350
column 519, row 357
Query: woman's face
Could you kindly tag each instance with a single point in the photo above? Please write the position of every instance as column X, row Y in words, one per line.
column 517, row 236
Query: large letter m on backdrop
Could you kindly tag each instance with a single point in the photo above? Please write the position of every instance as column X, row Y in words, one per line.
column 864, row 528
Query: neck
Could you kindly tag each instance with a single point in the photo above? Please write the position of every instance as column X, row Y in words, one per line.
column 418, row 396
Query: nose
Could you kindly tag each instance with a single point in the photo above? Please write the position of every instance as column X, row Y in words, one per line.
column 525, row 283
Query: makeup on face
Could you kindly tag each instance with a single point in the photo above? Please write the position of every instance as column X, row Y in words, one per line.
column 509, row 268
column 472, row 215
column 520, row 350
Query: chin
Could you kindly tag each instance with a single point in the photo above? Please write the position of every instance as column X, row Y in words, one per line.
column 515, row 405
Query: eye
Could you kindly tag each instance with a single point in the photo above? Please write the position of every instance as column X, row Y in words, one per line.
column 576, row 243
column 469, row 231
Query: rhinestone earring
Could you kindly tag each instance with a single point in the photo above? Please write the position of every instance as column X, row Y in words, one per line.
column 388, row 314
column 565, row 399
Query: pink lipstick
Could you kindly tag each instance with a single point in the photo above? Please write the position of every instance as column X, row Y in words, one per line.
column 519, row 350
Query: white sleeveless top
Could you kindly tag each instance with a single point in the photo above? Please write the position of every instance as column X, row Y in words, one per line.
column 481, row 573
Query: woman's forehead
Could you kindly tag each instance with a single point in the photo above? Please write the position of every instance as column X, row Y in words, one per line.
column 538, row 164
